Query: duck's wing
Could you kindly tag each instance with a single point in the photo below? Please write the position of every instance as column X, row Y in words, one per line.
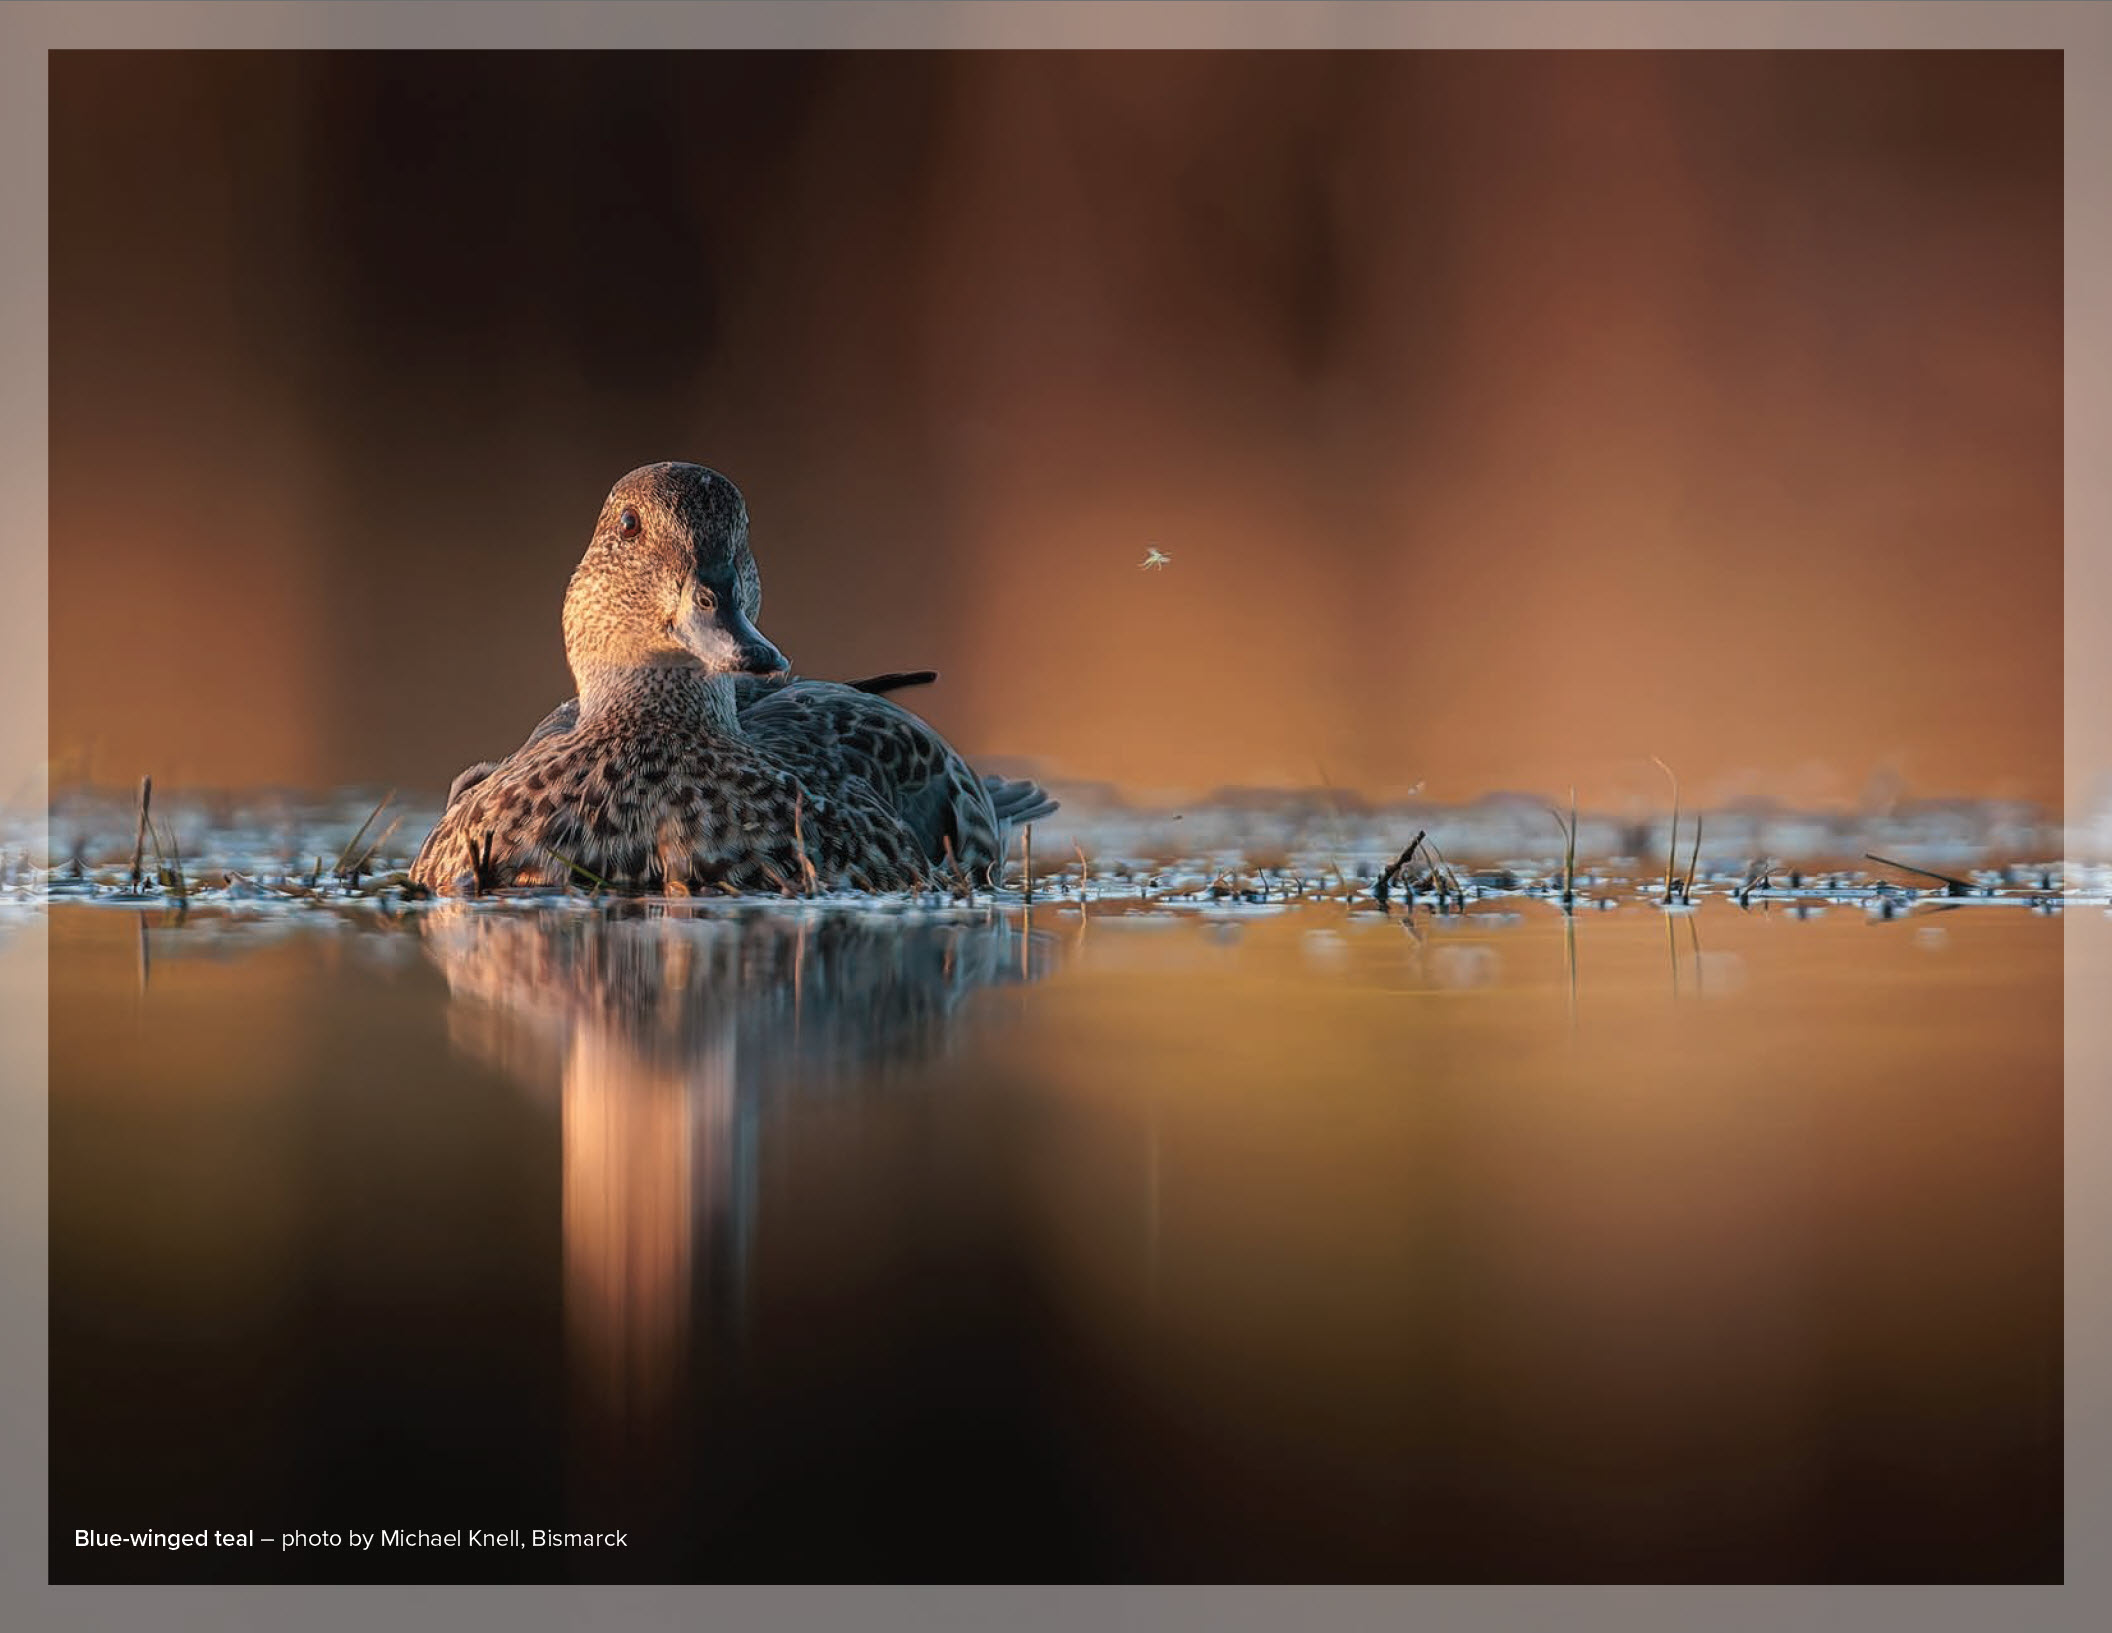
column 831, row 735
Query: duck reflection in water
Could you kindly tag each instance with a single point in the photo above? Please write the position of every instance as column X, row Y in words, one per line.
column 671, row 1031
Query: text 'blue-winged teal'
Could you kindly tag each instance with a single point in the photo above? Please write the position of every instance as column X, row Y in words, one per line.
column 692, row 759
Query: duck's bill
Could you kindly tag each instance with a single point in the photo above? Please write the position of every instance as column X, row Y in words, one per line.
column 724, row 641
column 755, row 652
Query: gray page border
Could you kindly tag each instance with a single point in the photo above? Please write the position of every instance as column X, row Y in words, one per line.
column 28, row 30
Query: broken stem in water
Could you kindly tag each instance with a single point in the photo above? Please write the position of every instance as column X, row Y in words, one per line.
column 139, row 839
column 1951, row 886
column 1383, row 890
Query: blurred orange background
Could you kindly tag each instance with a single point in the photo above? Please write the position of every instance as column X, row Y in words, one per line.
column 1509, row 417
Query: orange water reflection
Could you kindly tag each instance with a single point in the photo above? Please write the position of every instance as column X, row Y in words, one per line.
column 1289, row 1246
column 664, row 1030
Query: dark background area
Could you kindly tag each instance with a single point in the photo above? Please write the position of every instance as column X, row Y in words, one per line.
column 1509, row 417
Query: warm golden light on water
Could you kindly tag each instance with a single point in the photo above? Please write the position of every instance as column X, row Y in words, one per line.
column 630, row 1141
column 1300, row 1243
column 1605, row 1269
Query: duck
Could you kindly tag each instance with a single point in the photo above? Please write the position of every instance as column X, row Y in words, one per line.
column 693, row 758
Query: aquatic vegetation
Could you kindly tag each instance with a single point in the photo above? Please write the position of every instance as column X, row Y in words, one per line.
column 1569, row 850
column 1952, row 886
column 350, row 874
column 146, row 799
column 1383, row 890
column 350, row 848
column 1672, row 843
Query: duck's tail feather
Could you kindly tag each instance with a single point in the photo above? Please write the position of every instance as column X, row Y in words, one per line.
column 1017, row 804
column 562, row 718
column 894, row 681
column 469, row 778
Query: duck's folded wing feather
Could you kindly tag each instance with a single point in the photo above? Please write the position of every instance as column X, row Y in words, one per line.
column 829, row 734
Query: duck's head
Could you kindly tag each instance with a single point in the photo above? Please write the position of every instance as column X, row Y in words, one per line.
column 668, row 581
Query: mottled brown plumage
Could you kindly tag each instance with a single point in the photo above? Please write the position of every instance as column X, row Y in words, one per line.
column 825, row 732
column 831, row 733
column 651, row 785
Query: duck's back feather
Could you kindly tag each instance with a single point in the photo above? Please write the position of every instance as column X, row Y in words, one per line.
column 847, row 735
column 747, row 689
column 642, row 797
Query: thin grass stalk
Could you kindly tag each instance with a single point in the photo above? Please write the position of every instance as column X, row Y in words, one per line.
column 177, row 880
column 1671, row 845
column 367, row 855
column 352, row 844
column 1446, row 878
column 1569, row 849
column 139, row 838
column 1569, row 854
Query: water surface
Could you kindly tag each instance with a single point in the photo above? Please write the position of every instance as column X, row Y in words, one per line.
column 1288, row 1244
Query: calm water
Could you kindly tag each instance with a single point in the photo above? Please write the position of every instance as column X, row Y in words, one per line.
column 1289, row 1246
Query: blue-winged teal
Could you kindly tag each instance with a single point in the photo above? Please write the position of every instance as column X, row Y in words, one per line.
column 691, row 759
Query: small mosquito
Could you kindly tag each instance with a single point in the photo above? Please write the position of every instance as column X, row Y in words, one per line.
column 1154, row 557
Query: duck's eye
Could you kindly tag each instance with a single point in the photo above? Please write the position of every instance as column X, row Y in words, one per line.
column 628, row 525
column 706, row 601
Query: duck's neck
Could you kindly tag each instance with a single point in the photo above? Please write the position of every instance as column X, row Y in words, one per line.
column 678, row 697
